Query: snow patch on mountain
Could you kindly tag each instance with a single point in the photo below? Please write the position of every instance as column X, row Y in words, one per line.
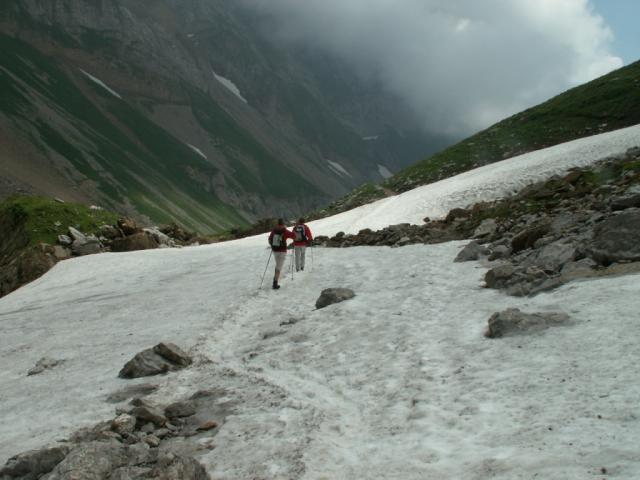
column 101, row 83
column 337, row 168
column 229, row 85
column 384, row 171
column 197, row 150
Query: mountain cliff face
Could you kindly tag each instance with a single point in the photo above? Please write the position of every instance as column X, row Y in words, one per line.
column 187, row 111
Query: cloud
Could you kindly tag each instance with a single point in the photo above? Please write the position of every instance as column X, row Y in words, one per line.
column 460, row 64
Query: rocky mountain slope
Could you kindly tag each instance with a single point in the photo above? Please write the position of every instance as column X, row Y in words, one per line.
column 188, row 113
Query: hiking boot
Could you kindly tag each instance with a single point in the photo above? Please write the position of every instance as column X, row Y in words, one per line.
column 301, row 268
column 275, row 286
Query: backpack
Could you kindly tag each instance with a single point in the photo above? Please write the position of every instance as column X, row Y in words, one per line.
column 277, row 239
column 301, row 235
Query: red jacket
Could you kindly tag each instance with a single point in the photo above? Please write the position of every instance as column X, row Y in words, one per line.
column 284, row 235
column 307, row 233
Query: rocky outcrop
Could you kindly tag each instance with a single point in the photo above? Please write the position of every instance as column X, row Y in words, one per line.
column 329, row 296
column 162, row 358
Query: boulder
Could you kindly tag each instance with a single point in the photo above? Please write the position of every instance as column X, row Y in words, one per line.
column 146, row 413
column 136, row 241
column 124, row 424
column 161, row 238
column 128, row 226
column 61, row 253
column 162, row 358
column 527, row 237
column 514, row 322
column 110, row 232
column 173, row 353
column 179, row 409
column 627, row 201
column 64, row 240
column 472, row 251
column 487, row 228
column 553, row 257
column 617, row 239
column 33, row 464
column 330, row 296
column 499, row 252
column 77, row 235
column 498, row 277
column 131, row 391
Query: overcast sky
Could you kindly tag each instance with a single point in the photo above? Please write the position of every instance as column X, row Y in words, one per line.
column 461, row 64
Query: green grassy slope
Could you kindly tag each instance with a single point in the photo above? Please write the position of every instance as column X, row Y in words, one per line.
column 44, row 219
column 607, row 103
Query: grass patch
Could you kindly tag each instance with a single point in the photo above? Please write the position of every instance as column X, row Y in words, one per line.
column 45, row 218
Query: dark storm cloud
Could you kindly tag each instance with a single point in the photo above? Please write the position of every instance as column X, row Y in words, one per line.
column 461, row 64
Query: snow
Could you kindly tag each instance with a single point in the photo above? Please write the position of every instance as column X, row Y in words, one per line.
column 370, row 138
column 197, row 150
column 384, row 172
column 485, row 183
column 337, row 168
column 229, row 85
column 397, row 383
column 101, row 83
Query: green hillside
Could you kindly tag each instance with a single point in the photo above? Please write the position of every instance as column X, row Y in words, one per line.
column 607, row 103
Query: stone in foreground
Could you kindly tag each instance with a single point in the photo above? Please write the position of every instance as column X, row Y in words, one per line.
column 514, row 322
column 329, row 296
column 162, row 358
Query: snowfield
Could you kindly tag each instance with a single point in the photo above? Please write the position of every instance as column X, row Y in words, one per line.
column 397, row 383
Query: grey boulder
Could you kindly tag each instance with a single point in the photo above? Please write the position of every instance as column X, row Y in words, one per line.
column 162, row 358
column 514, row 322
column 33, row 464
column 617, row 239
column 472, row 251
column 329, row 296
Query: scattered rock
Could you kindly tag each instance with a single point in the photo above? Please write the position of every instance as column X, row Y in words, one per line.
column 124, row 424
column 136, row 241
column 162, row 358
column 617, row 239
column 472, row 251
column 33, row 464
column 514, row 322
column 487, row 228
column 128, row 226
column 173, row 353
column 64, row 240
column 43, row 364
column 131, row 391
column 147, row 413
column 330, row 296
column 527, row 238
column 179, row 409
column 210, row 425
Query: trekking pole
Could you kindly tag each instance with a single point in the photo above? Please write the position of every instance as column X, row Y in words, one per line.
column 292, row 260
column 265, row 269
column 312, row 257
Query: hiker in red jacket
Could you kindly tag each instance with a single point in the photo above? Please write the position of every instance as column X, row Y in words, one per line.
column 278, row 241
column 302, row 239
